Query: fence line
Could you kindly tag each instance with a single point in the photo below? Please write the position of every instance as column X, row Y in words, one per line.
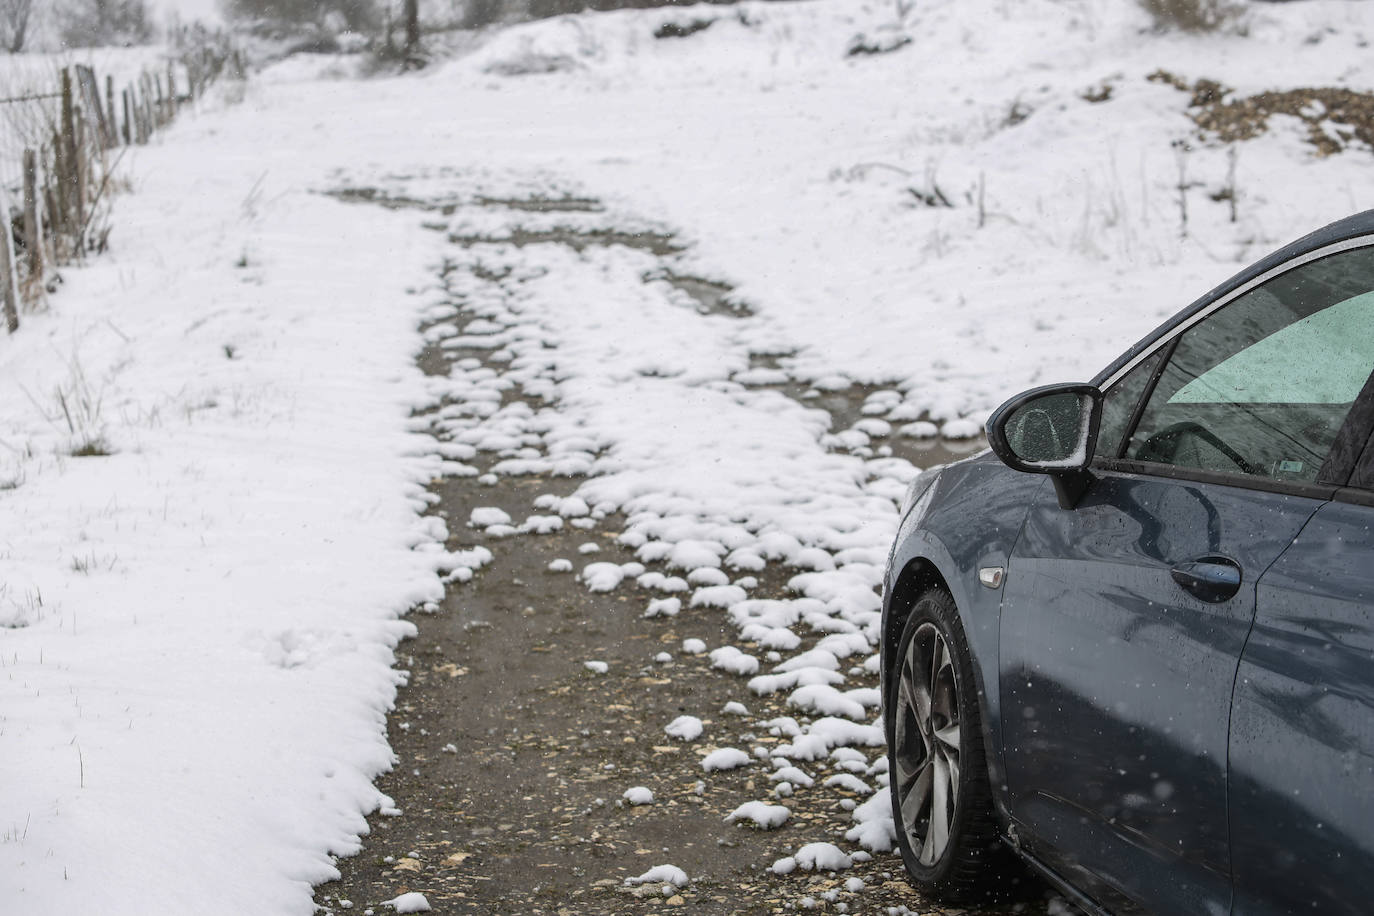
column 69, row 159
column 31, row 98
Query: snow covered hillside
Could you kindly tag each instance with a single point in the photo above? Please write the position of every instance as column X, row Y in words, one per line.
column 212, row 489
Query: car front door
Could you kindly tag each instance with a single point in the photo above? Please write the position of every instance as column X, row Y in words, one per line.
column 1124, row 618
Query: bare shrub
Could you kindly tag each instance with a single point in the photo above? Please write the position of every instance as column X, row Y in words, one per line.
column 1194, row 15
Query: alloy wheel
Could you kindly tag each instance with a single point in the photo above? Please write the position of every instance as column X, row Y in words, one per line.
column 927, row 734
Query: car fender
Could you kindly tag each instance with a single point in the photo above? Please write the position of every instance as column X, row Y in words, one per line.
column 944, row 543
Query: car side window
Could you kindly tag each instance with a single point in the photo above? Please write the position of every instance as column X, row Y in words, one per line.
column 1262, row 386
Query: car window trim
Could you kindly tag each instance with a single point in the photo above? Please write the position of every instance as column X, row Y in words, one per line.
column 1166, row 353
column 1173, row 333
column 1324, row 491
column 1355, row 496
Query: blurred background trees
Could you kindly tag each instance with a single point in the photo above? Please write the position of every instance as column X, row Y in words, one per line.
column 16, row 16
column 99, row 23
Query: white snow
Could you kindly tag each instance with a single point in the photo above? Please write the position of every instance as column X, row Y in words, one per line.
column 760, row 814
column 824, row 700
column 487, row 516
column 792, row 774
column 726, row 758
column 666, row 874
column 728, row 658
column 206, row 619
column 602, row 577
column 684, row 728
column 848, row 782
column 638, row 795
column 822, row 857
column 596, row 667
column 411, row 902
column 663, row 607
column 784, row 866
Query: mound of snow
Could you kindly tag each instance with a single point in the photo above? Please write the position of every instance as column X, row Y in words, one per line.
column 761, row 814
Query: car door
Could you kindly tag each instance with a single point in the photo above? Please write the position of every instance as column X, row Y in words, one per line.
column 1124, row 618
column 1302, row 731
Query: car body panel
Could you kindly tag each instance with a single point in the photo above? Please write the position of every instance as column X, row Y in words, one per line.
column 956, row 553
column 1116, row 683
column 1302, row 734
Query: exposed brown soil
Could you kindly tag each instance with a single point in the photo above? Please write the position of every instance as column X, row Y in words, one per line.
column 1334, row 117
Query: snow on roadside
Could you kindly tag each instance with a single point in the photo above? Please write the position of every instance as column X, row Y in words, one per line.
column 199, row 623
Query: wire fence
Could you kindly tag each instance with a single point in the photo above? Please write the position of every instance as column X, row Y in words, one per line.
column 59, row 147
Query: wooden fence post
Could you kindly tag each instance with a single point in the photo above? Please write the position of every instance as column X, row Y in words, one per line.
column 148, row 117
column 33, row 233
column 111, row 122
column 80, row 166
column 66, row 176
column 57, row 181
column 10, row 294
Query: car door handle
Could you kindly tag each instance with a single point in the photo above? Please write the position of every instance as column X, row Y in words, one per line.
column 1210, row 579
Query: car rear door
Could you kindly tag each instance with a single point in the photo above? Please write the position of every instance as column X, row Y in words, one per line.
column 1302, row 732
column 1124, row 618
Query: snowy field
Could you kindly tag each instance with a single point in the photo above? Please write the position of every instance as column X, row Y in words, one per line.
column 212, row 490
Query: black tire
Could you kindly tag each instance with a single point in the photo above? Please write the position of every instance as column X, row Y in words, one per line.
column 952, row 863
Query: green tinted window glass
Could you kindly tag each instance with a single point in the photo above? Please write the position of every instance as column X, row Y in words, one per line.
column 1262, row 386
column 1321, row 359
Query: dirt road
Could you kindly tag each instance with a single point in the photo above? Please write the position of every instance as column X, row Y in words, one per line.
column 534, row 704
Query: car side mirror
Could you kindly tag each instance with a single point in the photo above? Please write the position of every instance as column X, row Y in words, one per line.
column 1050, row 430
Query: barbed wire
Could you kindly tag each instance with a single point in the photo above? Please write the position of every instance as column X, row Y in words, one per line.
column 32, row 98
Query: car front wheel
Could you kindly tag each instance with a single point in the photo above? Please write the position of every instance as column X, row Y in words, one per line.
column 941, row 802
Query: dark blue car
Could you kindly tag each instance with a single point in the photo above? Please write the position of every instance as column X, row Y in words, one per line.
column 1134, row 645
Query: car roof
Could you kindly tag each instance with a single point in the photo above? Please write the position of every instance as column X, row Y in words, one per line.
column 1342, row 229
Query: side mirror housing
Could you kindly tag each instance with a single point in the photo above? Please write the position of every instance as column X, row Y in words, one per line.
column 1050, row 430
